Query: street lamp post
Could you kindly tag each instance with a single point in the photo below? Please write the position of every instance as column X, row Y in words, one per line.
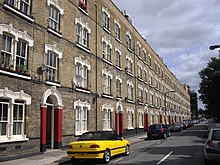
column 213, row 47
column 165, row 101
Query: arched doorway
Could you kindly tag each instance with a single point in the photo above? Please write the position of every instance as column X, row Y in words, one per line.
column 51, row 120
column 50, row 123
column 119, row 119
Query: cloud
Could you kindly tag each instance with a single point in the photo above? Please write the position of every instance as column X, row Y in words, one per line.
column 178, row 31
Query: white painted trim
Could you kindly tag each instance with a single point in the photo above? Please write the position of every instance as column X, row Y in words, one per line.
column 83, row 24
column 18, row 34
column 82, row 104
column 108, row 107
column 6, row 93
column 52, row 91
column 108, row 73
column 57, row 5
column 53, row 48
column 82, row 62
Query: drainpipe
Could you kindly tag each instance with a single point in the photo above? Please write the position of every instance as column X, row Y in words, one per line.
column 96, row 63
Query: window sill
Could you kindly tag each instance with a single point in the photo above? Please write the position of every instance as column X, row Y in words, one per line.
column 53, row 83
column 54, row 32
column 84, row 90
column 15, row 74
column 107, row 96
column 130, row 50
column 107, row 129
column 119, row 98
column 77, row 133
column 130, row 128
column 6, row 140
column 130, row 101
column 83, row 10
column 140, row 103
column 141, row 127
column 19, row 13
column 119, row 68
column 83, row 48
column 107, row 61
column 140, row 58
column 117, row 39
column 129, row 73
column 139, row 78
column 152, row 106
column 107, row 30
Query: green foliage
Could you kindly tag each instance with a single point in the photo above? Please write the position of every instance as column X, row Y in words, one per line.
column 210, row 87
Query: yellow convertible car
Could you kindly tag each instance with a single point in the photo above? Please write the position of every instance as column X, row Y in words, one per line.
column 98, row 145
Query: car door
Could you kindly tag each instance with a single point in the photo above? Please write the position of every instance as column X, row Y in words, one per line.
column 119, row 144
column 216, row 140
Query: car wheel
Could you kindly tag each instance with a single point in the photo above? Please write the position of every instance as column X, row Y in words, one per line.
column 127, row 150
column 107, row 156
column 164, row 135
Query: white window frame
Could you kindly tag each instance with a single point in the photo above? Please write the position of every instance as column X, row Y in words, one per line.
column 22, row 5
column 10, row 101
column 82, row 68
column 52, row 67
column 140, row 91
column 129, row 64
column 118, row 58
column 10, row 50
column 130, row 114
column 107, row 117
column 54, row 18
column 58, row 55
column 117, row 30
column 138, row 49
column 106, row 18
column 139, row 71
column 130, row 90
column 83, row 32
column 107, row 77
column 128, row 40
column 140, row 119
column 118, row 86
column 81, row 116
column 106, row 49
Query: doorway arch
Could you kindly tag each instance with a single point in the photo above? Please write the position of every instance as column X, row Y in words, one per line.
column 51, row 120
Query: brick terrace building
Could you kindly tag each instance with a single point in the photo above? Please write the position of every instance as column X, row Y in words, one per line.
column 71, row 66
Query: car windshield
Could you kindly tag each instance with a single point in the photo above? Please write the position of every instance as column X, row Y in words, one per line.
column 216, row 135
column 96, row 136
column 176, row 124
column 154, row 127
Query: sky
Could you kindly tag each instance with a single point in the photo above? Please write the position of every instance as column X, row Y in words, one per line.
column 179, row 31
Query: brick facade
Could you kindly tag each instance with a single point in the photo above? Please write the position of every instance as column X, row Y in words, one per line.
column 61, row 102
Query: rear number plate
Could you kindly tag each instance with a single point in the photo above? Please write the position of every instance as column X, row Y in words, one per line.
column 81, row 154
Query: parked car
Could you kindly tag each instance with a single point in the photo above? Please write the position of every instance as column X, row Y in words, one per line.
column 177, row 126
column 188, row 122
column 98, row 145
column 212, row 145
column 158, row 131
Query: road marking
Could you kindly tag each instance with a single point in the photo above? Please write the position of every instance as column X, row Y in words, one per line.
column 117, row 159
column 158, row 142
column 165, row 157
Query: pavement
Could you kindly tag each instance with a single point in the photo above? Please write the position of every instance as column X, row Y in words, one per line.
column 59, row 156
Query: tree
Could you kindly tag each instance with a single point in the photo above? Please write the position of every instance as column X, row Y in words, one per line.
column 210, row 87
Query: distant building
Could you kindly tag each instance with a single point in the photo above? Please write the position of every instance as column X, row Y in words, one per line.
column 72, row 66
column 194, row 104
